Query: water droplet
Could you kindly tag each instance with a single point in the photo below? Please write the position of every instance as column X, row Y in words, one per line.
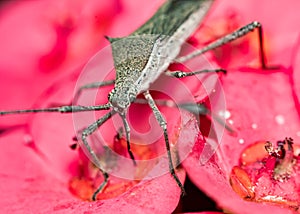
column 230, row 122
column 298, row 133
column 169, row 103
column 225, row 114
column 254, row 126
column 279, row 119
column 241, row 141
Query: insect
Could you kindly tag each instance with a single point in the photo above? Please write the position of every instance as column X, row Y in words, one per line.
column 140, row 60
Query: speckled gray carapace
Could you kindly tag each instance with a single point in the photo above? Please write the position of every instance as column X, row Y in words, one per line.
column 145, row 54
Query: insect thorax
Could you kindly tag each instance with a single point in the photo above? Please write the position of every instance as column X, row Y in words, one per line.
column 131, row 55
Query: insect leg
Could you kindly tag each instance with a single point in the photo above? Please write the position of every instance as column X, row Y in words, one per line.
column 194, row 108
column 61, row 109
column 163, row 124
column 180, row 74
column 91, row 86
column 127, row 131
column 85, row 133
column 231, row 37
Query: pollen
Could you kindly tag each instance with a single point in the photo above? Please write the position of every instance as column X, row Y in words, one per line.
column 268, row 172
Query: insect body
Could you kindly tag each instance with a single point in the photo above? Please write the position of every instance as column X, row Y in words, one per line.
column 143, row 56
column 150, row 55
column 139, row 60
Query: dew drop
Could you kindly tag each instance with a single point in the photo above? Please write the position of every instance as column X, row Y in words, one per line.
column 279, row 119
column 241, row 141
column 225, row 114
column 169, row 103
column 230, row 122
column 254, row 126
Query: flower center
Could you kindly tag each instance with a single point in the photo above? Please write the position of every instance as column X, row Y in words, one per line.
column 269, row 174
column 89, row 178
column 284, row 158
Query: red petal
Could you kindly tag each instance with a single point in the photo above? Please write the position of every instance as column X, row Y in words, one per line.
column 261, row 107
column 28, row 184
column 36, row 174
column 280, row 34
column 59, row 35
column 296, row 77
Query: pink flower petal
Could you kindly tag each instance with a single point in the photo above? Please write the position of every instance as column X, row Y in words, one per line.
column 261, row 108
column 33, row 187
column 261, row 104
column 296, row 77
column 43, row 181
column 37, row 172
column 49, row 57
column 280, row 36
column 44, row 41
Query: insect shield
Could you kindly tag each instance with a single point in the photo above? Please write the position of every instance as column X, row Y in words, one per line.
column 176, row 98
